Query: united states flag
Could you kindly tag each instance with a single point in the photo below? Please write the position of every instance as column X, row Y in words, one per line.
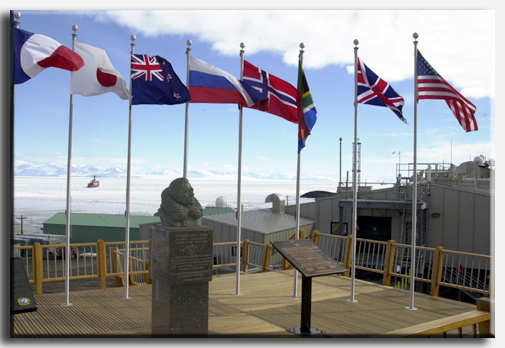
column 433, row 86
column 279, row 96
column 375, row 91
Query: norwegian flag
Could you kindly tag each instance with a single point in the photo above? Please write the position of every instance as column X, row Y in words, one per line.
column 433, row 86
column 155, row 82
column 279, row 97
column 375, row 91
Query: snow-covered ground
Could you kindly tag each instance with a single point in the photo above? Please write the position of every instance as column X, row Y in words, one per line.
column 39, row 198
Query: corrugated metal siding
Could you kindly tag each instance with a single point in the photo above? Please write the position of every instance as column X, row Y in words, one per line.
column 225, row 228
column 465, row 220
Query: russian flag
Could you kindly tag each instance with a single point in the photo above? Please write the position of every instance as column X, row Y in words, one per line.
column 34, row 53
column 208, row 84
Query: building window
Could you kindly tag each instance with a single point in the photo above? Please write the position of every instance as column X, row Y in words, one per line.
column 335, row 228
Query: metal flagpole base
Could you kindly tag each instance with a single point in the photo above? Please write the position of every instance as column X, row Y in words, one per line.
column 411, row 308
column 295, row 296
column 239, row 294
column 126, row 298
column 352, row 301
column 67, row 304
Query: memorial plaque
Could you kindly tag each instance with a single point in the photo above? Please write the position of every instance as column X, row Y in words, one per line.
column 308, row 258
column 22, row 299
column 310, row 261
column 186, row 258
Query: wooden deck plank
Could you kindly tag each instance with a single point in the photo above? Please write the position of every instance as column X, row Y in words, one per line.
column 266, row 308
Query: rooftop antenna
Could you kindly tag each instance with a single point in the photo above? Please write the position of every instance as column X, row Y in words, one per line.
column 358, row 161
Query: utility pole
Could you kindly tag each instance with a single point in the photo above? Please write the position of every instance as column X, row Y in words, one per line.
column 21, row 218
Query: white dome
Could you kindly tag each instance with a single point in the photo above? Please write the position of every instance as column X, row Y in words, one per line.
column 478, row 161
column 221, row 202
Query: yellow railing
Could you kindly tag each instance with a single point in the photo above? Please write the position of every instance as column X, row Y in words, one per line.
column 479, row 320
column 439, row 267
column 435, row 266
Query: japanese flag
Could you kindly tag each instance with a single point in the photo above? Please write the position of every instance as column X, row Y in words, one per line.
column 97, row 76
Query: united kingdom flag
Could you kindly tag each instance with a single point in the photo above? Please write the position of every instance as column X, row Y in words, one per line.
column 143, row 65
column 375, row 91
column 155, row 82
column 279, row 97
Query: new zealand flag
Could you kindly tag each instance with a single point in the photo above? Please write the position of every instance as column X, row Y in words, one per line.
column 155, row 82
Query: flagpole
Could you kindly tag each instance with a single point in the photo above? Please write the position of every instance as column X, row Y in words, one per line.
column 355, row 175
column 185, row 165
column 297, row 212
column 128, row 176
column 239, row 181
column 69, row 175
column 15, row 24
column 340, row 169
column 414, row 189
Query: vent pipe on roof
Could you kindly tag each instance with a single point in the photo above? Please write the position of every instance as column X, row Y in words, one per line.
column 278, row 206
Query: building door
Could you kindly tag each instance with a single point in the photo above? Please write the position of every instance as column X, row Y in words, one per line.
column 374, row 227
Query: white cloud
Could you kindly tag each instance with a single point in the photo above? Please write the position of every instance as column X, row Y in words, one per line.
column 459, row 44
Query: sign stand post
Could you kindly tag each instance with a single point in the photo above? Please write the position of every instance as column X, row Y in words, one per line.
column 310, row 261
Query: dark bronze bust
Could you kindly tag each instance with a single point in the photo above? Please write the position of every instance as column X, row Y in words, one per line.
column 179, row 207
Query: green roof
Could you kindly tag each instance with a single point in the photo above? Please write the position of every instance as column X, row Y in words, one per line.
column 102, row 220
column 214, row 211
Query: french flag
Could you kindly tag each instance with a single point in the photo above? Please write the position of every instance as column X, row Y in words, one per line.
column 208, row 84
column 34, row 53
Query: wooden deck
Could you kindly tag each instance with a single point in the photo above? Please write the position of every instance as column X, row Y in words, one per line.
column 266, row 308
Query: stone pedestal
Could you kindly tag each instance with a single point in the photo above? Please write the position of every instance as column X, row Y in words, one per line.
column 181, row 268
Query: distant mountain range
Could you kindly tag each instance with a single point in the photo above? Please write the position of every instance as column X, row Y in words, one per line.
column 53, row 170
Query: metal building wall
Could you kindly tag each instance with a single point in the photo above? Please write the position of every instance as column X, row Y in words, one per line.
column 465, row 219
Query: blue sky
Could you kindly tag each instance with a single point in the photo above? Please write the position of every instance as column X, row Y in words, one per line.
column 452, row 41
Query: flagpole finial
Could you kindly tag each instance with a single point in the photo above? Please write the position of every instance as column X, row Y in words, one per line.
column 302, row 46
column 189, row 42
column 17, row 15
column 415, row 36
column 355, row 42
column 242, row 45
column 133, row 37
column 74, row 35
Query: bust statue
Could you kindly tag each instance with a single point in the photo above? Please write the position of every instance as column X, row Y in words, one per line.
column 179, row 207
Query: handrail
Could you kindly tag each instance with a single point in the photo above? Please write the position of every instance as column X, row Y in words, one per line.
column 390, row 259
column 442, row 326
column 394, row 261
